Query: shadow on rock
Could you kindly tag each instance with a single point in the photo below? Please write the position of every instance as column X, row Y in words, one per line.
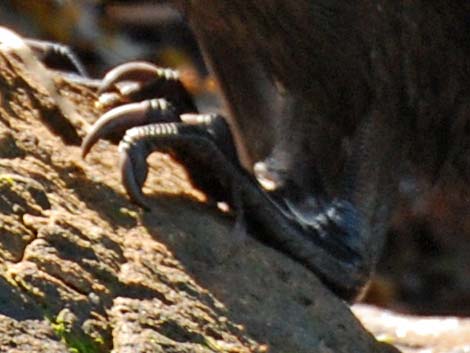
column 277, row 300
column 16, row 305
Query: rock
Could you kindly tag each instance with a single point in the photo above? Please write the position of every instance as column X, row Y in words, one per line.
column 83, row 270
column 20, row 336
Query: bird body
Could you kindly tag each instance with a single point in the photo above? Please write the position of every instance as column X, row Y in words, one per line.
column 332, row 101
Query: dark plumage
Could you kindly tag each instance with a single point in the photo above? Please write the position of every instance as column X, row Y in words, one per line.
column 332, row 101
column 340, row 99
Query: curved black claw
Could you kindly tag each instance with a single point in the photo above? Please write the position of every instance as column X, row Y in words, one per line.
column 191, row 142
column 118, row 120
column 144, row 81
column 138, row 143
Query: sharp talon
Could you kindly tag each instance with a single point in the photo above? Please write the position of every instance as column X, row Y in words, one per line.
column 141, row 72
column 130, row 180
column 134, row 168
column 118, row 120
column 137, row 81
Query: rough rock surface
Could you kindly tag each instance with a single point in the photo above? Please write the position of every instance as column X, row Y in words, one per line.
column 83, row 270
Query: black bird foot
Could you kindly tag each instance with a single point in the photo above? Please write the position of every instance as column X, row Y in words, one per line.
column 171, row 124
column 328, row 238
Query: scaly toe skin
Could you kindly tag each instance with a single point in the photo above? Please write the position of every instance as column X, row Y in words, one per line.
column 119, row 119
column 136, row 145
column 193, row 144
